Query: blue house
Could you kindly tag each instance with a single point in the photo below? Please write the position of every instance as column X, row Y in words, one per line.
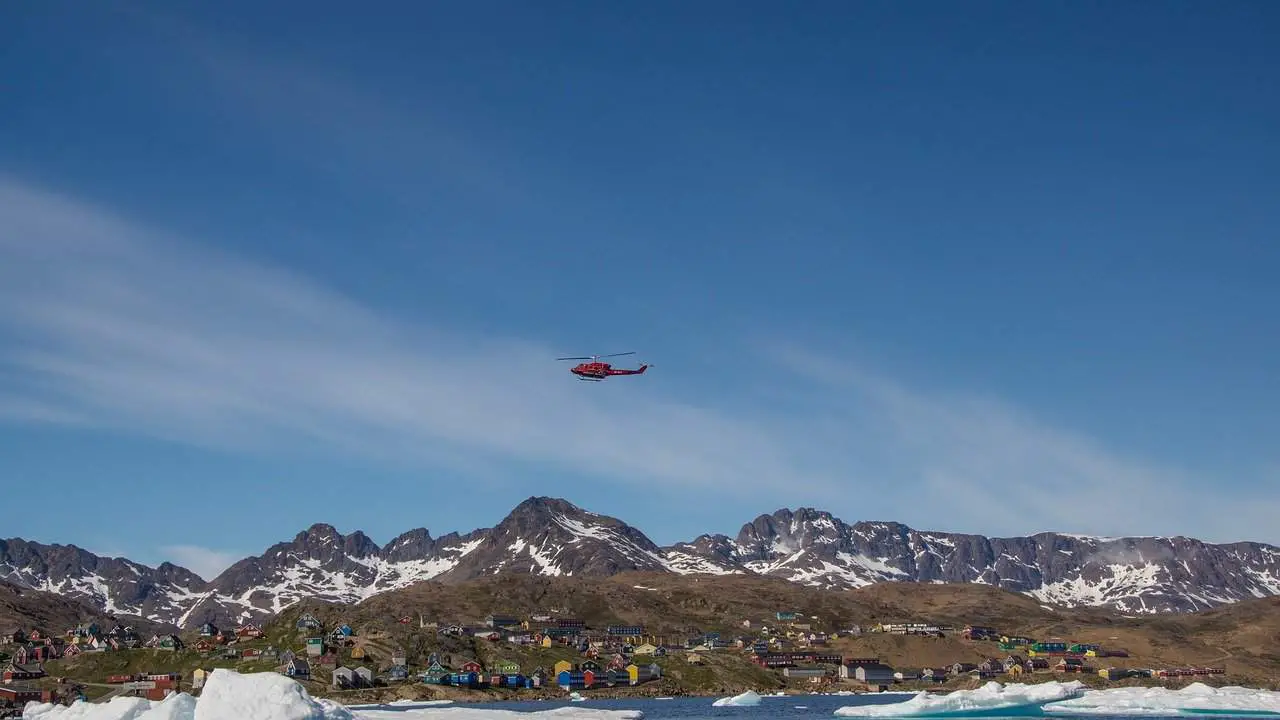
column 571, row 680
column 397, row 673
column 466, row 679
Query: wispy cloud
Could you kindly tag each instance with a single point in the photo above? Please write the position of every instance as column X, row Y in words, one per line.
column 117, row 326
column 202, row 561
column 110, row 324
column 992, row 468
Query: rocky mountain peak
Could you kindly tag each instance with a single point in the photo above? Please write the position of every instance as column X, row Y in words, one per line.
column 554, row 537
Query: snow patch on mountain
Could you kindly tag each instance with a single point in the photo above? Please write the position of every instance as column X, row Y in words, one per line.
column 554, row 538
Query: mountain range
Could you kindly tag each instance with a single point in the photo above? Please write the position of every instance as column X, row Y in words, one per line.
column 553, row 537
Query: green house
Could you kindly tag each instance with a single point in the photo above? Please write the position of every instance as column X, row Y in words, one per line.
column 170, row 642
column 434, row 674
column 508, row 668
column 315, row 646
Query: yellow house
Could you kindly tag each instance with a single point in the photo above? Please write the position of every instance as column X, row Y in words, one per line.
column 1015, row 669
column 357, row 653
column 198, row 676
column 546, row 641
column 645, row 649
column 643, row 673
column 563, row 666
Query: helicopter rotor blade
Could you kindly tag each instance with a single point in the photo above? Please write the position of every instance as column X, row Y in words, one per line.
column 618, row 354
column 577, row 358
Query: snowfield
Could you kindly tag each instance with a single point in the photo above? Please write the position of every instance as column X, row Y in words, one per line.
column 228, row 695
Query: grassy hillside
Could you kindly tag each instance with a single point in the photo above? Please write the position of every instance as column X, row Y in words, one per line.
column 1241, row 638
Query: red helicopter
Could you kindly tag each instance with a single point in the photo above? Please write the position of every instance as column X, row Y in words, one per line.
column 595, row 371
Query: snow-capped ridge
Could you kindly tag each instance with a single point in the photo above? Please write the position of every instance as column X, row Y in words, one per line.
column 552, row 537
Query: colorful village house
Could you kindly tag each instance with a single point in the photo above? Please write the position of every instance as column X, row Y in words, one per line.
column 435, row 672
column 465, row 679
column 637, row 674
column 308, row 622
column 571, row 679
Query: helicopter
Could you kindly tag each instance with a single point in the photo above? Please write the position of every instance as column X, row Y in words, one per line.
column 595, row 371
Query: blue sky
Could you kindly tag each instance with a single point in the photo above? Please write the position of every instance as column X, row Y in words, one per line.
column 981, row 267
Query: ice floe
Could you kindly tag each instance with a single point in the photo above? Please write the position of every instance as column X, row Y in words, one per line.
column 1071, row 698
column 991, row 699
column 746, row 699
column 1194, row 699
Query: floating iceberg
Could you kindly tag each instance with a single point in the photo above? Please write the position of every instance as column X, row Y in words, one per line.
column 1194, row 699
column 990, row 700
column 746, row 699
column 228, row 695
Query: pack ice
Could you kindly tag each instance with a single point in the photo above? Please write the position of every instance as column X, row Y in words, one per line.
column 1071, row 698
column 990, row 699
column 229, row 695
column 1194, row 699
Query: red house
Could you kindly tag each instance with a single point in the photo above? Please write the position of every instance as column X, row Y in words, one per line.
column 471, row 666
column 19, row 696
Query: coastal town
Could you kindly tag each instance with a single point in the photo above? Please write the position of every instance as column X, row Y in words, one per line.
column 338, row 658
